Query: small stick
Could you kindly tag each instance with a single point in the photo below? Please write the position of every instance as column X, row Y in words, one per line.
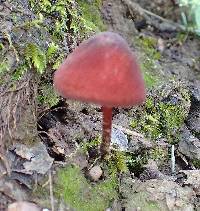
column 173, row 160
column 127, row 131
column 51, row 191
column 170, row 25
column 45, row 184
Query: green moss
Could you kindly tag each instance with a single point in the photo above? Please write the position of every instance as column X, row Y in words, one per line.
column 117, row 163
column 94, row 143
column 68, row 17
column 32, row 57
column 149, row 78
column 141, row 200
column 181, row 37
column 158, row 121
column 158, row 154
column 47, row 96
column 148, row 61
column 91, row 14
column 120, row 161
column 136, row 163
column 74, row 189
column 196, row 163
column 50, row 26
column 58, row 61
column 35, row 57
column 4, row 67
column 133, row 123
column 65, row 17
column 162, row 119
column 1, row 46
column 19, row 71
column 51, row 51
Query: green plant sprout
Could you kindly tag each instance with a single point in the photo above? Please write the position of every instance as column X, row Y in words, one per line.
column 191, row 14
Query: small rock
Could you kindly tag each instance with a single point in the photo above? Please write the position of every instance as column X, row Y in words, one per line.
column 119, row 140
column 156, row 194
column 79, row 159
column 195, row 93
column 41, row 162
column 189, row 145
column 193, row 122
column 151, row 171
column 95, row 173
column 135, row 144
column 138, row 143
column 34, row 159
column 23, row 206
column 23, row 151
column 13, row 190
column 192, row 179
column 161, row 45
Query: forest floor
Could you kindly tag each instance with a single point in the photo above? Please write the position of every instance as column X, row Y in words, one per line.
column 49, row 154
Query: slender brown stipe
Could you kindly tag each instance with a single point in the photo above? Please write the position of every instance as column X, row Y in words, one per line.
column 107, row 127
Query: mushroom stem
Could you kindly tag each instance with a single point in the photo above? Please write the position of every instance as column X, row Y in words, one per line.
column 107, row 125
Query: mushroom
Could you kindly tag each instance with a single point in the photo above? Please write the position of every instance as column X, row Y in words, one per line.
column 102, row 70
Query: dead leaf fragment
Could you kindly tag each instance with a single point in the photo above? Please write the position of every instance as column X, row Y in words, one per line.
column 38, row 159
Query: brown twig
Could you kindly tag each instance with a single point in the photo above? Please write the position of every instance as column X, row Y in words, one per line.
column 127, row 131
column 154, row 19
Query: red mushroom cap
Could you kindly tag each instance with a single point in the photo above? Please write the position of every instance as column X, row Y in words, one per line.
column 102, row 70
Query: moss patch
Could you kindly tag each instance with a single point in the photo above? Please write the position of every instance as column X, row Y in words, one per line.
column 52, row 26
column 141, row 200
column 196, row 163
column 136, row 163
column 47, row 96
column 117, row 163
column 73, row 187
column 91, row 14
column 91, row 144
column 162, row 116
column 149, row 59
column 159, row 154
